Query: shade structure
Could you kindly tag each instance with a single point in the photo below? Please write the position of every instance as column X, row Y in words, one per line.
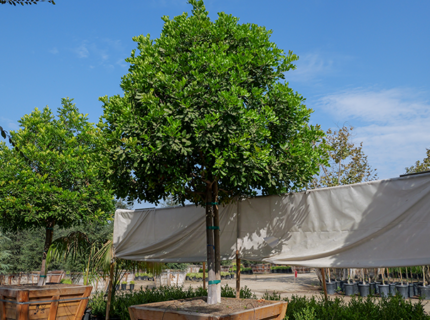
column 382, row 223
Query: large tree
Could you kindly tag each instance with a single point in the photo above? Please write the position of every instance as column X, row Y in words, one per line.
column 206, row 117
column 53, row 175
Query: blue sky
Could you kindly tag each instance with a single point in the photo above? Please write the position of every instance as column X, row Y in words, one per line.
column 362, row 63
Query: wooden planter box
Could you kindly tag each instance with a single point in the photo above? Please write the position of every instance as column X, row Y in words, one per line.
column 59, row 301
column 275, row 310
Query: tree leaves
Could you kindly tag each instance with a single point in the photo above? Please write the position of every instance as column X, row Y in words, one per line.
column 204, row 102
column 54, row 172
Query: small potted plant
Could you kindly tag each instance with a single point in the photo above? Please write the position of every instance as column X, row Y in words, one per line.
column 330, row 286
column 123, row 285
column 232, row 275
column 411, row 285
column 401, row 287
column 383, row 289
column 364, row 288
column 349, row 287
column 144, row 276
column 131, row 285
column 424, row 290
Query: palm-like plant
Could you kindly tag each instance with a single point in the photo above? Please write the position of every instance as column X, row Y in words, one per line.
column 100, row 258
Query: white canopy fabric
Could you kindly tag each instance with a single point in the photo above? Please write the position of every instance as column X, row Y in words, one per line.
column 383, row 223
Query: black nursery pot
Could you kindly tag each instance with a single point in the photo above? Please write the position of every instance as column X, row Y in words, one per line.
column 349, row 289
column 411, row 290
column 424, row 292
column 384, row 290
column 194, row 278
column 331, row 287
column 416, row 291
column 117, row 287
column 372, row 288
column 403, row 290
column 123, row 286
column 232, row 276
column 356, row 291
column 145, row 278
column 393, row 289
column 377, row 287
column 364, row 289
column 131, row 287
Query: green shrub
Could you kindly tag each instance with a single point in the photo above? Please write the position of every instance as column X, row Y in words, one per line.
column 66, row 281
column 393, row 308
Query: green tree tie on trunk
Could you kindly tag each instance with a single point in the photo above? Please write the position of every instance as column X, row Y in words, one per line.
column 206, row 117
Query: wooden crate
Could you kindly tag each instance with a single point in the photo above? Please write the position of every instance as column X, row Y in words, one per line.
column 275, row 311
column 59, row 301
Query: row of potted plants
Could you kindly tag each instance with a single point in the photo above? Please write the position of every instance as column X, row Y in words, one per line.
column 280, row 269
column 199, row 276
column 370, row 285
column 124, row 285
column 144, row 276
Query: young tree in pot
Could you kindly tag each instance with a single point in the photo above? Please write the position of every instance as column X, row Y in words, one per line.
column 205, row 118
column 402, row 288
column 54, row 174
column 364, row 287
column 384, row 289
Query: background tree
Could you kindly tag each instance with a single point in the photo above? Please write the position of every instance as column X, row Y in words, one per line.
column 206, row 118
column 60, row 181
column 420, row 166
column 347, row 162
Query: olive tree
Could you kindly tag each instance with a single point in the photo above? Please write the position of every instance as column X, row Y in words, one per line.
column 53, row 175
column 206, row 117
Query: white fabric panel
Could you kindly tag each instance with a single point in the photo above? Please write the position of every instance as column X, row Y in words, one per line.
column 381, row 223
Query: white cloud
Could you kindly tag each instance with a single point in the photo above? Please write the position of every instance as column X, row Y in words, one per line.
column 101, row 52
column 82, row 51
column 392, row 124
column 121, row 63
column 54, row 50
column 309, row 67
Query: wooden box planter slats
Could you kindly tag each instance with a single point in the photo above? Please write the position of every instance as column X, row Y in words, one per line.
column 59, row 301
column 274, row 310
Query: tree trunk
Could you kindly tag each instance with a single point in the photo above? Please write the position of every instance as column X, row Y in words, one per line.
column 217, row 243
column 48, row 241
column 110, row 289
column 212, row 294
